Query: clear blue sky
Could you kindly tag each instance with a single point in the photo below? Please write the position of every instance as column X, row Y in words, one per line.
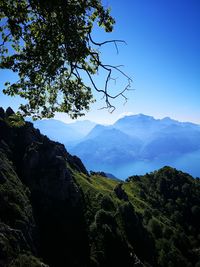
column 162, row 56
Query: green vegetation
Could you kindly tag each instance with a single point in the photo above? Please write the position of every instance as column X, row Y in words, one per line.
column 16, row 220
column 162, row 213
column 172, row 214
column 25, row 260
column 53, row 211
column 15, row 120
column 49, row 44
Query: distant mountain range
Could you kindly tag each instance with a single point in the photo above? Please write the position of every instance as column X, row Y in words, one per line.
column 53, row 213
column 66, row 133
column 133, row 144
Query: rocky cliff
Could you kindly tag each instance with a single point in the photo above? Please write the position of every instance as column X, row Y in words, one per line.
column 41, row 207
column 53, row 213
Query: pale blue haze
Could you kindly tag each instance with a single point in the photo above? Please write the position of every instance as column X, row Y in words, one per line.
column 133, row 145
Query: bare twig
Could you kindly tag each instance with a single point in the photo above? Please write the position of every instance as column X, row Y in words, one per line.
column 105, row 42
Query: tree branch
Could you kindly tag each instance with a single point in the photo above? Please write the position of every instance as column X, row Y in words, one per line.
column 105, row 42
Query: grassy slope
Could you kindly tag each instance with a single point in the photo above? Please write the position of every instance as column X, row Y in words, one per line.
column 102, row 185
column 176, row 242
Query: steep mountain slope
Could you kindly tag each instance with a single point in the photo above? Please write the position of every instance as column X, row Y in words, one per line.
column 38, row 193
column 52, row 211
column 43, row 211
column 158, row 214
column 172, row 214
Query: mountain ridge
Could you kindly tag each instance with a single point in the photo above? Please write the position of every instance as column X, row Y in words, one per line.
column 162, row 142
column 53, row 213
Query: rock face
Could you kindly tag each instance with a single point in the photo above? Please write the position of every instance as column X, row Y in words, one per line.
column 40, row 203
column 9, row 112
column 120, row 193
column 2, row 113
column 18, row 230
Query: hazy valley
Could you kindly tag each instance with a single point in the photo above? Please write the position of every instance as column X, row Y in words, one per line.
column 134, row 144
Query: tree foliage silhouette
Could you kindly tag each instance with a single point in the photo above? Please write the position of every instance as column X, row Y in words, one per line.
column 50, row 45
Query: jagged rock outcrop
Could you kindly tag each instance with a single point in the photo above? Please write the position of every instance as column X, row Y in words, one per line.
column 9, row 112
column 120, row 193
column 2, row 113
column 39, row 199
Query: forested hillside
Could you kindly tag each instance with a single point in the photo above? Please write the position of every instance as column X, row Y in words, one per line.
column 54, row 213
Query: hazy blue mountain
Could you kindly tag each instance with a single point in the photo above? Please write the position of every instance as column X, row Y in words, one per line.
column 133, row 144
column 173, row 140
column 140, row 125
column 97, row 131
column 107, row 148
column 139, row 144
column 145, row 127
column 57, row 130
column 66, row 133
column 82, row 127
